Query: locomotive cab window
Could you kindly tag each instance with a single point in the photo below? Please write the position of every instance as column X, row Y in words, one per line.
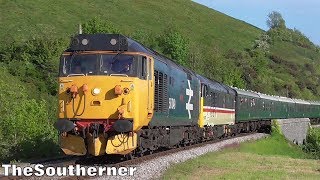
column 99, row 64
column 118, row 64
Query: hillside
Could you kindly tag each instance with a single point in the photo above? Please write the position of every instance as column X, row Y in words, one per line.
column 22, row 20
column 34, row 33
column 211, row 34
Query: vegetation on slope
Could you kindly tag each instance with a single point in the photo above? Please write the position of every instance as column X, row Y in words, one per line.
column 24, row 127
column 312, row 145
column 219, row 46
column 33, row 34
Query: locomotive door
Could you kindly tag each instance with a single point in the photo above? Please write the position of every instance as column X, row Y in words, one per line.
column 213, row 103
column 150, row 80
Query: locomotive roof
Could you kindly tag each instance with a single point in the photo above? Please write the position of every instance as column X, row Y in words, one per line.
column 106, row 42
column 216, row 85
column 246, row 93
column 118, row 43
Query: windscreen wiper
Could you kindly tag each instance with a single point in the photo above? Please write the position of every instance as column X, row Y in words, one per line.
column 114, row 58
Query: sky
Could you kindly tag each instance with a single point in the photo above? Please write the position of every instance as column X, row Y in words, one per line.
column 303, row 15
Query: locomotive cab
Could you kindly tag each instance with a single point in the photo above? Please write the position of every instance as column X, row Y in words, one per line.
column 105, row 95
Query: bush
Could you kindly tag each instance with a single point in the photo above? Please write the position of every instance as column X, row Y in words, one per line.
column 312, row 144
column 294, row 36
column 275, row 129
column 175, row 45
column 97, row 25
column 25, row 129
column 35, row 62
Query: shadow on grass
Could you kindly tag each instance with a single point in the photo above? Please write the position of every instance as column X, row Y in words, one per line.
column 32, row 149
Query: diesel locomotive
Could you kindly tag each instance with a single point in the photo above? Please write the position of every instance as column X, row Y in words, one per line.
column 117, row 96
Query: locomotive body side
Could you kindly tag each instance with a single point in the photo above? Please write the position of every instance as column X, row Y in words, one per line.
column 218, row 103
column 177, row 95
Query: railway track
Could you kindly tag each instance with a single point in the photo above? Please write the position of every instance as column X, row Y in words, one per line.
column 110, row 161
column 127, row 161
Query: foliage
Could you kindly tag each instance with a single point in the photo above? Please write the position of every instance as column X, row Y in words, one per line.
column 275, row 129
column 204, row 28
column 175, row 45
column 35, row 62
column 292, row 35
column 25, row 129
column 312, row 144
column 97, row 25
column 275, row 20
column 263, row 43
column 146, row 38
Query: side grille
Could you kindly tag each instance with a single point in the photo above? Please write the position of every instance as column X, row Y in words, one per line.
column 161, row 103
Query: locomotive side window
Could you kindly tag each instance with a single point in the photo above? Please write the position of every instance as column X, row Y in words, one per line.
column 204, row 90
column 144, row 68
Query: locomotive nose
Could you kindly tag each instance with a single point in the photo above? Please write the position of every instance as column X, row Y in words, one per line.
column 97, row 98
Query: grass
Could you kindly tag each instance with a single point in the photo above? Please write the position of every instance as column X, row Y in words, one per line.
column 209, row 32
column 21, row 20
column 269, row 158
column 276, row 145
column 296, row 54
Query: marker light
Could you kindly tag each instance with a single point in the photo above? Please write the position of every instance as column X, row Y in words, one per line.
column 84, row 42
column 96, row 91
column 113, row 42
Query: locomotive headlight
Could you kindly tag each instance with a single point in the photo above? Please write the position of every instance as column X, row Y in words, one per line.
column 96, row 91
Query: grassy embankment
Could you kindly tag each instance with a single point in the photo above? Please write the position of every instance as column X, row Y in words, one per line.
column 269, row 158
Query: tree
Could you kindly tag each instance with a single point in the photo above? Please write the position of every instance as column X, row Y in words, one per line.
column 175, row 45
column 97, row 25
column 275, row 20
